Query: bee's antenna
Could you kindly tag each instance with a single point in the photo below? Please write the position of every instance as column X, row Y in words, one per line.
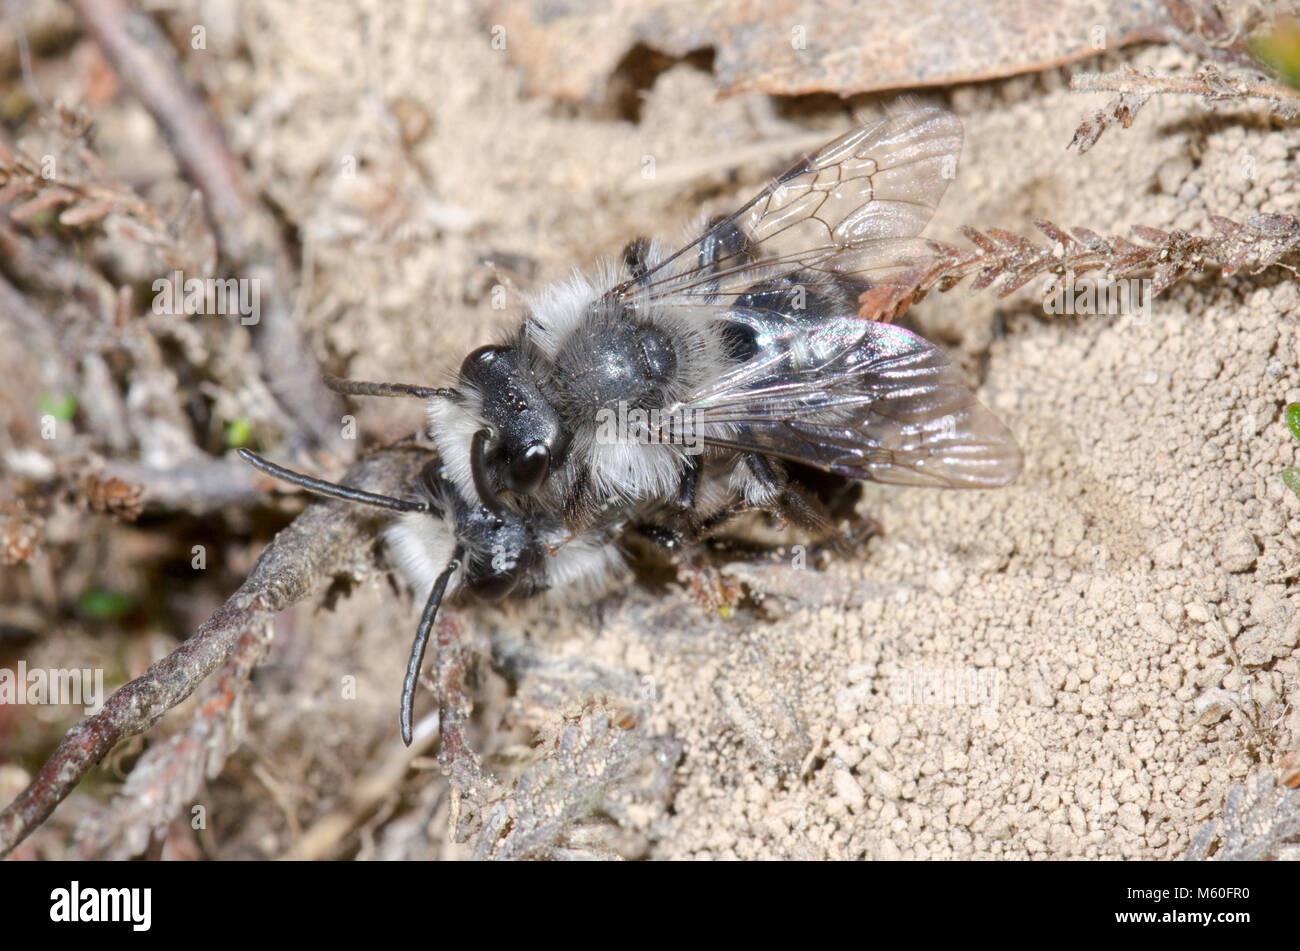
column 331, row 489
column 364, row 388
column 422, row 641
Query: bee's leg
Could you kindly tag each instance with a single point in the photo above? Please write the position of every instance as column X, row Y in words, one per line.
column 723, row 240
column 672, row 538
column 678, row 525
column 663, row 536
column 636, row 255
column 804, row 510
column 576, row 499
column 690, row 484
column 723, row 244
column 768, row 473
column 790, row 503
column 708, row 586
column 682, row 512
column 724, row 515
column 676, row 522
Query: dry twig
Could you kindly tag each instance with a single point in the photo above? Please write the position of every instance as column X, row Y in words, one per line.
column 246, row 233
column 171, row 774
column 1135, row 88
column 326, row 539
column 198, row 488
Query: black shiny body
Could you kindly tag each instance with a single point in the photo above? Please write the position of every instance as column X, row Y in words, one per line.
column 504, row 554
column 612, row 359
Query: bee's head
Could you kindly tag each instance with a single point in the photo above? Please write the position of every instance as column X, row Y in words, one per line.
column 499, row 552
column 521, row 438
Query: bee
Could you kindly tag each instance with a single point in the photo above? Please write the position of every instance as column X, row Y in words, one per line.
column 743, row 349
column 448, row 545
column 673, row 390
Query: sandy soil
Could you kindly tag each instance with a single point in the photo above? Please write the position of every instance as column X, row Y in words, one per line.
column 1077, row 666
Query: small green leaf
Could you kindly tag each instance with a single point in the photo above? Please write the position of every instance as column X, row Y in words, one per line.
column 1278, row 46
column 42, row 219
column 238, row 432
column 1293, row 419
column 62, row 407
column 1292, row 479
column 104, row 605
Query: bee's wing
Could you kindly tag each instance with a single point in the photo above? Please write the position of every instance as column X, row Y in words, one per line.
column 861, row 399
column 849, row 209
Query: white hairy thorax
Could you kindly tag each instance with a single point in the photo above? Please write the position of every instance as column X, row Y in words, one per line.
column 620, row 472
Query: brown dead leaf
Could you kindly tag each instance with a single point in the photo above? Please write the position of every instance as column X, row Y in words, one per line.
column 21, row 533
column 790, row 47
column 114, row 495
column 50, row 198
column 86, row 213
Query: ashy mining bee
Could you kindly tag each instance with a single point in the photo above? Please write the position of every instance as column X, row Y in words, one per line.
column 746, row 345
column 733, row 371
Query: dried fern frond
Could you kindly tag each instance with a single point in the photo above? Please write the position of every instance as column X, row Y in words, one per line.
column 584, row 756
column 1209, row 83
column 1011, row 261
column 71, row 186
column 1260, row 819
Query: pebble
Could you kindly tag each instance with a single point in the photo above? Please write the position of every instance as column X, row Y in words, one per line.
column 1237, row 550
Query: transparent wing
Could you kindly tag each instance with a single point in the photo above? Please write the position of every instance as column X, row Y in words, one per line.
column 862, row 399
column 853, row 208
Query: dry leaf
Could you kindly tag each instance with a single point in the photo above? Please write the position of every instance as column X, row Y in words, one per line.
column 791, row 47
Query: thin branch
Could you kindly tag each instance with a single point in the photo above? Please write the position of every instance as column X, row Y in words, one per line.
column 246, row 233
column 327, row 538
column 1209, row 83
column 1135, row 88
column 171, row 774
column 197, row 488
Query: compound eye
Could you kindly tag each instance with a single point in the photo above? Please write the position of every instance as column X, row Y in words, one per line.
column 528, row 470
